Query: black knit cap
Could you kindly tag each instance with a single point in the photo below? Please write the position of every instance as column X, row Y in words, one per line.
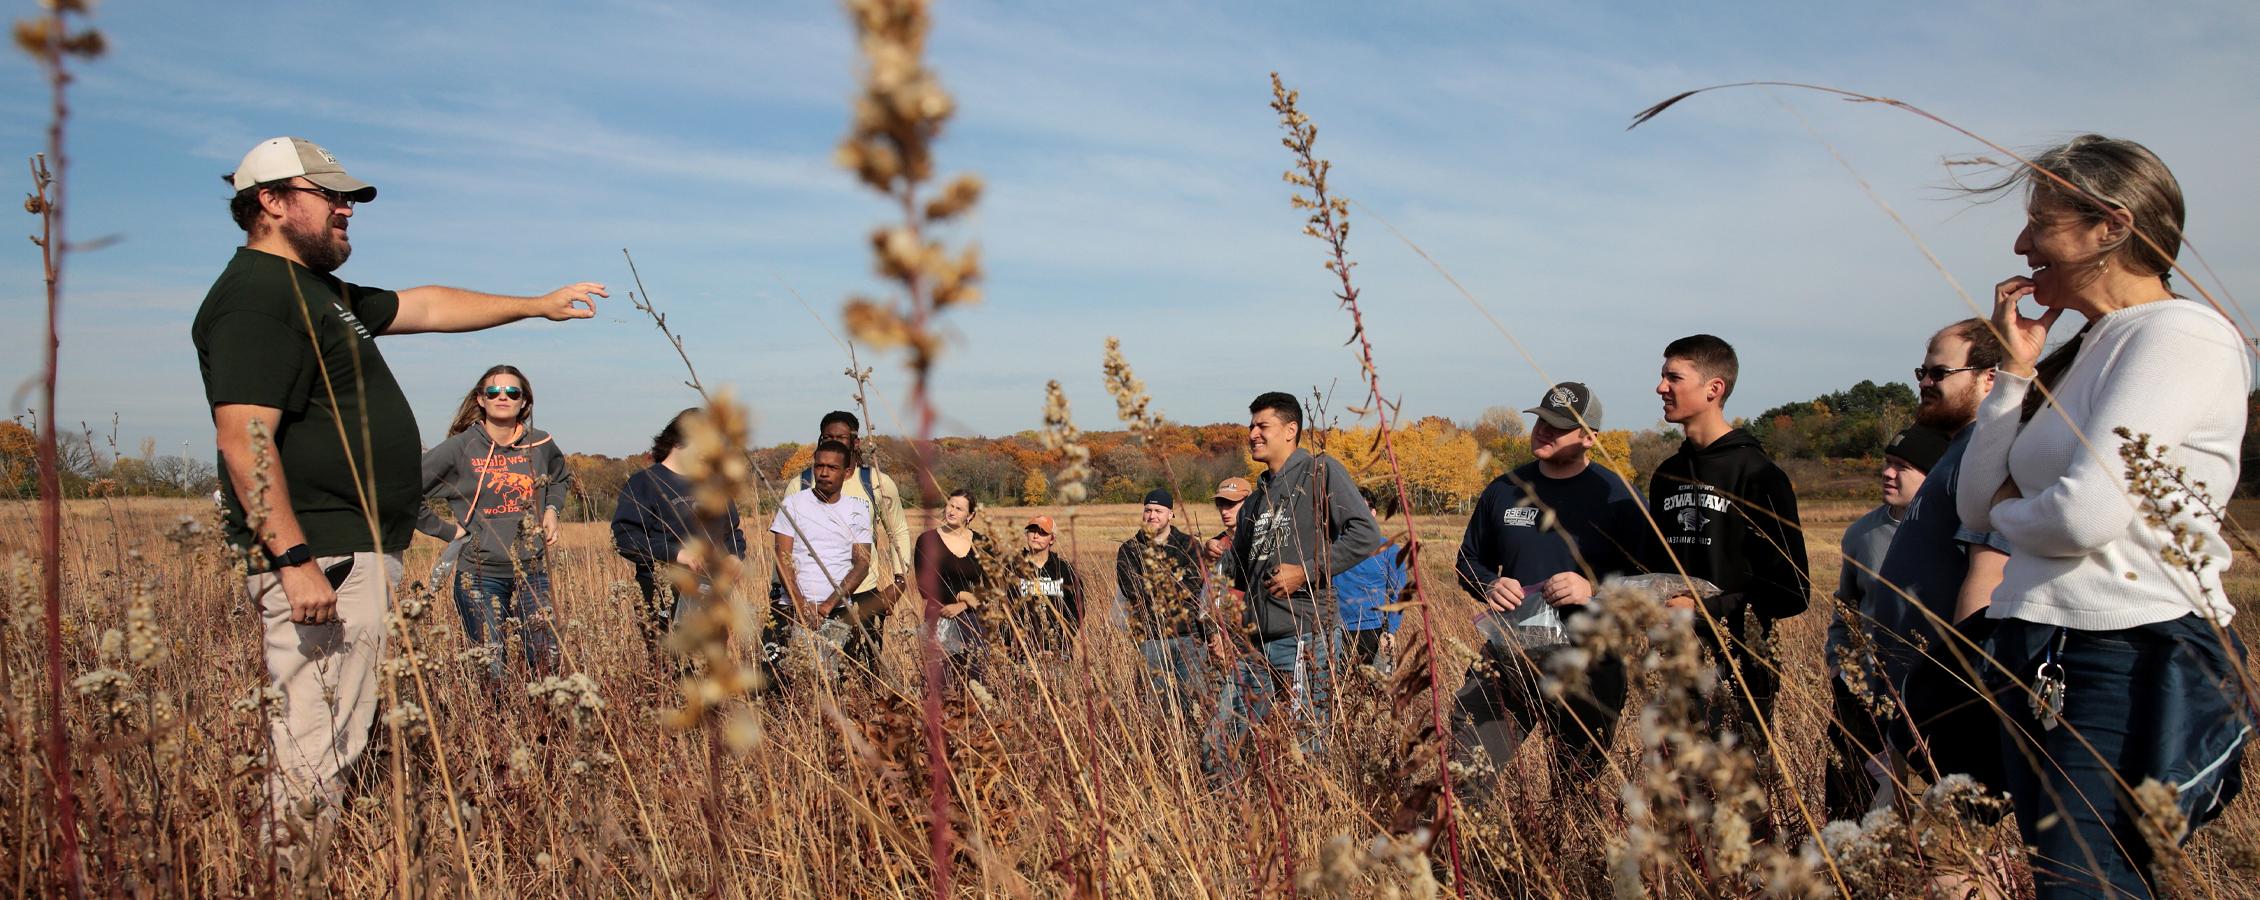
column 1920, row 446
column 1159, row 497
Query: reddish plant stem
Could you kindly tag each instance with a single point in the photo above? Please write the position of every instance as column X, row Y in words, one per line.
column 938, row 829
column 1332, row 231
column 51, row 251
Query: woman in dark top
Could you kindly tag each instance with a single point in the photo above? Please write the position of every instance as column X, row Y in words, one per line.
column 948, row 560
column 652, row 524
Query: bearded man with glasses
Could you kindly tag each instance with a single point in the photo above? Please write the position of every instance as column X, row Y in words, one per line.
column 318, row 449
column 1928, row 625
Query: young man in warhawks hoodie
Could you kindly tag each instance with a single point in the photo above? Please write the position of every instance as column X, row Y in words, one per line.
column 1304, row 524
column 1728, row 516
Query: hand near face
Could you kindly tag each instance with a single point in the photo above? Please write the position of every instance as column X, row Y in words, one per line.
column 2021, row 338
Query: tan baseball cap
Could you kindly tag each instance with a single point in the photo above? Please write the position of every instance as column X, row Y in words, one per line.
column 1043, row 524
column 1234, row 489
column 287, row 157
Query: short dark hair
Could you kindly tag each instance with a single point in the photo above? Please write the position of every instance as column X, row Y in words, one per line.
column 1712, row 356
column 840, row 415
column 1284, row 405
column 244, row 206
column 831, row 447
column 671, row 436
column 1985, row 346
column 971, row 505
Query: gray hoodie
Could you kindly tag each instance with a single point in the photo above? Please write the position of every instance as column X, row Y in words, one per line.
column 1280, row 524
column 511, row 485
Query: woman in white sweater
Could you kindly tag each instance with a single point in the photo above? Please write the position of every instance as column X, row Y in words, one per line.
column 2123, row 667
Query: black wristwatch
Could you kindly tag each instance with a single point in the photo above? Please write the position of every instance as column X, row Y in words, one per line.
column 297, row 555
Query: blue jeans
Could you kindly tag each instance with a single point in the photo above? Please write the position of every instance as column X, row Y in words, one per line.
column 1177, row 670
column 489, row 604
column 1300, row 666
column 2156, row 701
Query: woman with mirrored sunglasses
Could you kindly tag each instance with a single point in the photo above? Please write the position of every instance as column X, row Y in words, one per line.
column 503, row 483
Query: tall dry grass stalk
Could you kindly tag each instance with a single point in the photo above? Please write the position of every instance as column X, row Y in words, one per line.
column 56, row 40
column 1329, row 222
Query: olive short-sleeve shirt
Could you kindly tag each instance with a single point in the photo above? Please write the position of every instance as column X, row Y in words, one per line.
column 274, row 333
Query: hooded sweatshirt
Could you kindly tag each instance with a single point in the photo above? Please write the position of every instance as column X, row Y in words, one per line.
column 1281, row 524
column 500, row 489
column 1730, row 516
column 656, row 515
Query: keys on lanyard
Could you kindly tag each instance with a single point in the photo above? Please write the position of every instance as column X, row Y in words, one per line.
column 2048, row 685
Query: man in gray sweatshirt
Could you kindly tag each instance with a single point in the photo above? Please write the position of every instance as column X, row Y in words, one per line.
column 1305, row 524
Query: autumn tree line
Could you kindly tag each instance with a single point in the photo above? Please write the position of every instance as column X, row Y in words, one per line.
column 1829, row 445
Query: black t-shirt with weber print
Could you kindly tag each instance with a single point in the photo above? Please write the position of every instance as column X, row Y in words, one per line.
column 1601, row 528
column 273, row 333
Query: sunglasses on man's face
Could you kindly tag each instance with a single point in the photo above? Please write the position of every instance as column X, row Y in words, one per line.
column 1939, row 373
column 496, row 390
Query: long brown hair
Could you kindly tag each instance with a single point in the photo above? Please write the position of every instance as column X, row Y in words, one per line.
column 469, row 413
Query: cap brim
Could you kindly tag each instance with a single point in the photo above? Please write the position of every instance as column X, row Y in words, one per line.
column 1556, row 419
column 353, row 188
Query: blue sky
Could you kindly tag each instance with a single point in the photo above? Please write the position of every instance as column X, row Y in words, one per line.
column 1134, row 191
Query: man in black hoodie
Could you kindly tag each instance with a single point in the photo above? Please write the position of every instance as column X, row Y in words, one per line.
column 1304, row 524
column 1728, row 516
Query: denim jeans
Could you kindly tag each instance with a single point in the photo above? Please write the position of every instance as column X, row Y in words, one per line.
column 489, row 604
column 2156, row 701
column 1301, row 667
column 1177, row 671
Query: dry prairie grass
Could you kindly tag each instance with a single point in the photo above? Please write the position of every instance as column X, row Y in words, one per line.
column 550, row 806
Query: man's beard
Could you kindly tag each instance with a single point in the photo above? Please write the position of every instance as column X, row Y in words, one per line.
column 1948, row 413
column 318, row 250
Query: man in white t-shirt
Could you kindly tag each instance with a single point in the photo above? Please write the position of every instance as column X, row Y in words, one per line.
column 823, row 540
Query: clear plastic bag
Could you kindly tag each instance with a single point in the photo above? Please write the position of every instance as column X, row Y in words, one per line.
column 444, row 569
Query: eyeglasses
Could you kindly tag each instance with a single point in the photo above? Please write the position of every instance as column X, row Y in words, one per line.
column 334, row 198
column 497, row 390
column 1935, row 374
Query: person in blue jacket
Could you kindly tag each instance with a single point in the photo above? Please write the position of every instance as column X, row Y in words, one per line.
column 1367, row 632
column 653, row 521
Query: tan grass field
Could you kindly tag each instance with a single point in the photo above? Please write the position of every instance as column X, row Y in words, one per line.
column 1069, row 775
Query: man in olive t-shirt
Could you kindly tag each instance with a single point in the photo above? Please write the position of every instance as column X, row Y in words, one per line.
column 318, row 448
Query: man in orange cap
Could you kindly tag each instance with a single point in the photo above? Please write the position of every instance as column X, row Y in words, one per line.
column 1049, row 595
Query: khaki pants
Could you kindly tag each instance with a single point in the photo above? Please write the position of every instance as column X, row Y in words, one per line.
column 327, row 674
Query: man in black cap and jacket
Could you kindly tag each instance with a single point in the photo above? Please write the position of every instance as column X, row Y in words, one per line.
column 1158, row 571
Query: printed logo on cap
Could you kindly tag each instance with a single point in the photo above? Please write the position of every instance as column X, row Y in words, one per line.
column 1563, row 396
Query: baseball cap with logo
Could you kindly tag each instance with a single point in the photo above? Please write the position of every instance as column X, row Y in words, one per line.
column 276, row 159
column 1234, row 489
column 1567, row 403
column 1043, row 524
